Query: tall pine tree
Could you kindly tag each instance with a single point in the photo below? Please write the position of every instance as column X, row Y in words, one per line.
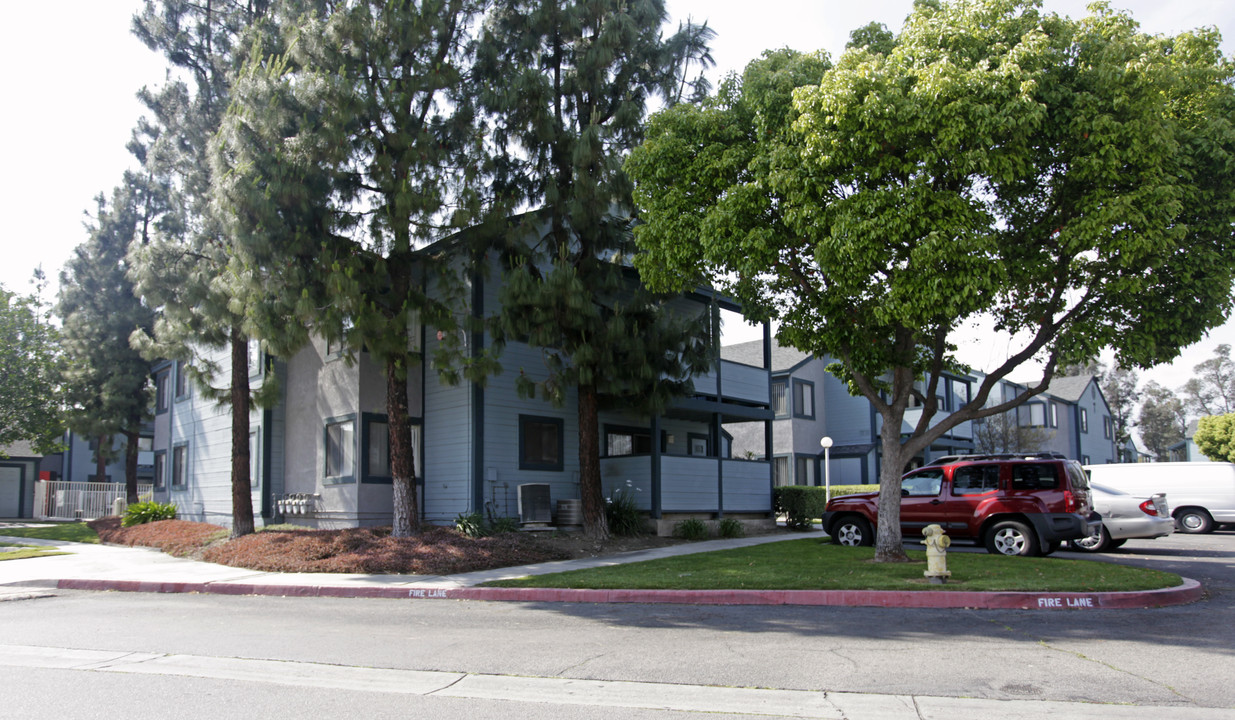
column 106, row 380
column 341, row 158
column 568, row 84
column 206, row 301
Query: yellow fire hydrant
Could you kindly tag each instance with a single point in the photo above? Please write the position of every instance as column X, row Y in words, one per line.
column 936, row 554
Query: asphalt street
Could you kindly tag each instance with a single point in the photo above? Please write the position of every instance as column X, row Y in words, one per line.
column 555, row 659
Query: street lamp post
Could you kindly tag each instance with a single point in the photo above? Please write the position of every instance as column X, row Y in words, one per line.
column 826, row 443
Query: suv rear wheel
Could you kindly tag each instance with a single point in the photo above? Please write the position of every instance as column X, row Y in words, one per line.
column 852, row 531
column 1009, row 537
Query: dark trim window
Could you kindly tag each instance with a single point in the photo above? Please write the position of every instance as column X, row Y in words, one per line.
column 540, row 443
column 621, row 440
column 255, row 459
column 180, row 465
column 1107, row 428
column 780, row 398
column 697, row 444
column 254, row 352
column 375, row 448
column 160, row 468
column 1084, row 420
column 160, row 391
column 182, row 380
column 804, row 470
column 339, row 443
column 780, row 471
column 804, row 399
column 1054, row 410
column 1033, row 415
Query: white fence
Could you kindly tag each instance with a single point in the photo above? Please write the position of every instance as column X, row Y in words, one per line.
column 63, row 500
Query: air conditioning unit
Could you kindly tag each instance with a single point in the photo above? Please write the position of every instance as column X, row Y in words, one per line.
column 534, row 505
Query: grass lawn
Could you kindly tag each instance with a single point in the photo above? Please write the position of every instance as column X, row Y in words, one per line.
column 814, row 565
column 73, row 532
column 19, row 552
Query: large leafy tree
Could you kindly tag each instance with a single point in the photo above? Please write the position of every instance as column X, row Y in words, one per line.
column 107, row 380
column 30, row 368
column 348, row 148
column 568, row 83
column 1070, row 179
column 186, row 271
column 1215, row 437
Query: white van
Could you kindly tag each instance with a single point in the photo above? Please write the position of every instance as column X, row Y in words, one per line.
column 1201, row 495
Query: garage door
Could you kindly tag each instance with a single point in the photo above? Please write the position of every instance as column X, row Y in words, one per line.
column 10, row 491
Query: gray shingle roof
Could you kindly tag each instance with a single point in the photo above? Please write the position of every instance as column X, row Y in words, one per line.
column 1070, row 388
column 751, row 353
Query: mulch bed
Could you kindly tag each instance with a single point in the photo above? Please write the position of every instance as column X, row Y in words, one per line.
column 435, row 551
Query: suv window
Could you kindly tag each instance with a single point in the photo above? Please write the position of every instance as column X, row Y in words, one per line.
column 1034, row 476
column 975, row 479
column 1077, row 475
column 922, row 484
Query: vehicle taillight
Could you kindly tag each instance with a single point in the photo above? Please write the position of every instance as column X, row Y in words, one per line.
column 1069, row 501
column 1149, row 508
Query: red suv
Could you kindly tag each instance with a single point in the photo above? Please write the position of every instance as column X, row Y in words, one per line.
column 1014, row 504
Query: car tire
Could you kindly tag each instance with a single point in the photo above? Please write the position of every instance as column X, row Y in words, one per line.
column 1117, row 543
column 853, row 531
column 1096, row 543
column 1010, row 537
column 1194, row 521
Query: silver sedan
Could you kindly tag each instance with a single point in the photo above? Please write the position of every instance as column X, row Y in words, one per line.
column 1125, row 517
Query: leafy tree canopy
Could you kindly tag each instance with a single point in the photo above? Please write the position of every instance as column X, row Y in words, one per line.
column 1069, row 178
column 30, row 368
column 1215, row 437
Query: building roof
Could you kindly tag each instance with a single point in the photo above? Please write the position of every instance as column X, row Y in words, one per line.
column 751, row 353
column 1070, row 388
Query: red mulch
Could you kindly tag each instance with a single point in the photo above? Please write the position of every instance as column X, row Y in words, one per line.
column 435, row 551
column 180, row 538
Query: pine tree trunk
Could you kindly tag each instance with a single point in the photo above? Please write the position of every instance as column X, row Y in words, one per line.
column 406, row 521
column 595, row 525
column 242, row 483
column 100, row 458
column 130, row 466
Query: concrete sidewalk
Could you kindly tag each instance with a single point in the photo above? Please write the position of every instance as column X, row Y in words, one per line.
column 106, row 567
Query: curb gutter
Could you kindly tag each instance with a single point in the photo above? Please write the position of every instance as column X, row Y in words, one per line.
column 1190, row 591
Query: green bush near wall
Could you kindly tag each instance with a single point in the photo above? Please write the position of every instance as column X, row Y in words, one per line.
column 839, row 490
column 800, row 504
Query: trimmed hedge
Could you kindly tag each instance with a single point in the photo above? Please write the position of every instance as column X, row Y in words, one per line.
column 800, row 504
column 839, row 490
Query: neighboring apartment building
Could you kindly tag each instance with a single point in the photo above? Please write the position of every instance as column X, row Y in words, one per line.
column 1072, row 418
column 19, row 468
column 475, row 444
column 810, row 403
column 1186, row 450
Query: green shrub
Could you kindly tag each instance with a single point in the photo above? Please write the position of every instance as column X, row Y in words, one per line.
column 623, row 515
column 731, row 528
column 800, row 504
column 691, row 529
column 839, row 490
column 471, row 525
column 503, row 525
column 140, row 513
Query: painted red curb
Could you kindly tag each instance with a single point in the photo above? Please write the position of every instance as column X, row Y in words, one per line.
column 1190, row 591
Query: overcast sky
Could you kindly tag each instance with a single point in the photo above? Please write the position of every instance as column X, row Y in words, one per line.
column 69, row 81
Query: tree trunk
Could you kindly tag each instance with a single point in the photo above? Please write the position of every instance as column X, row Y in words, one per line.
column 595, row 524
column 406, row 521
column 888, row 547
column 242, row 482
column 100, row 458
column 130, row 466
